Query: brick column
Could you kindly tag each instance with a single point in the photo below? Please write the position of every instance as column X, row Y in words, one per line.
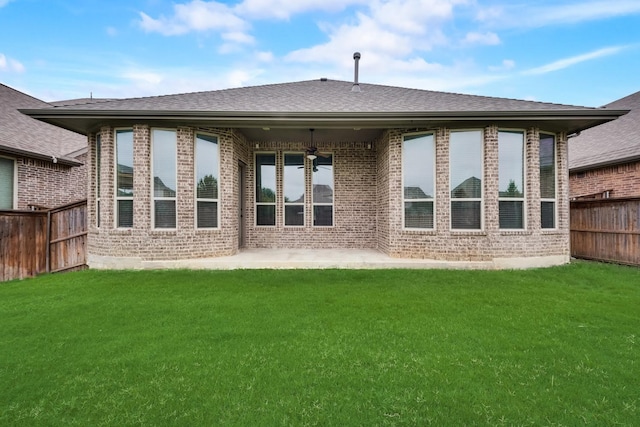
column 491, row 181
column 533, row 179
column 141, row 177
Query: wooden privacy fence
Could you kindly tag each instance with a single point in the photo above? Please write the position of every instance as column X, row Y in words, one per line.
column 34, row 242
column 606, row 230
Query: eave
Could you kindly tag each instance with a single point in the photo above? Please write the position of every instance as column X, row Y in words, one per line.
column 39, row 156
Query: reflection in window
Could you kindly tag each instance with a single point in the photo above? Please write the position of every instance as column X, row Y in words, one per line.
column 547, row 181
column 7, row 186
column 207, row 164
column 293, row 189
column 265, row 189
column 322, row 180
column 164, row 178
column 465, row 164
column 124, row 178
column 418, row 171
column 511, row 179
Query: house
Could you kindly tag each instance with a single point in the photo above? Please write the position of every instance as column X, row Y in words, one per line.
column 323, row 164
column 41, row 165
column 604, row 161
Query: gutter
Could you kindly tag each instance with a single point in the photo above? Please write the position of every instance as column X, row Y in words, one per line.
column 66, row 161
column 614, row 162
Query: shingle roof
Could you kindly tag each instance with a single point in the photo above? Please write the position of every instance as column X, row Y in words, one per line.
column 609, row 143
column 20, row 134
column 321, row 96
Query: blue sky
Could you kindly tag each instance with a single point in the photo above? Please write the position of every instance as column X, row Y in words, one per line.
column 581, row 52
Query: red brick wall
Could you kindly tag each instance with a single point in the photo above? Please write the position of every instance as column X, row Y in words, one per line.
column 623, row 179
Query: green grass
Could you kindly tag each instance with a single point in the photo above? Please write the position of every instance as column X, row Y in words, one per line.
column 555, row 346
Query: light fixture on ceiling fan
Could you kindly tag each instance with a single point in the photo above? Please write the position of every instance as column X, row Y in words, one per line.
column 311, row 151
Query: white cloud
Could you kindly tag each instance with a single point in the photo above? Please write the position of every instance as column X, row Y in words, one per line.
column 568, row 62
column 284, row 9
column 10, row 65
column 488, row 38
column 4, row 2
column 111, row 31
column 507, row 64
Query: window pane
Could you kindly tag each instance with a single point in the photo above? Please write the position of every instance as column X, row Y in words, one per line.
column 266, row 215
column 207, row 161
column 547, row 167
column 323, row 179
column 548, row 214
column 165, row 213
column 7, row 175
column 294, row 215
column 266, row 178
column 418, row 162
column 322, row 216
column 207, row 214
column 418, row 214
column 511, row 164
column 511, row 214
column 124, row 156
column 465, row 215
column 164, row 163
column 465, row 159
column 125, row 213
column 293, row 178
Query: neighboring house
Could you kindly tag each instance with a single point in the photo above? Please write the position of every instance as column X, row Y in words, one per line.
column 604, row 161
column 485, row 179
column 40, row 165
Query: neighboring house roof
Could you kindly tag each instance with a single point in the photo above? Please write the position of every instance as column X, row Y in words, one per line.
column 469, row 188
column 24, row 136
column 609, row 143
column 323, row 104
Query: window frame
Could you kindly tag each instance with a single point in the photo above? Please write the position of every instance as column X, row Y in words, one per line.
column 195, row 186
column 333, row 194
column 14, row 183
column 98, row 168
column 481, row 199
column 554, row 200
column 154, row 198
column 118, row 199
column 255, row 187
column 434, row 177
column 304, row 185
column 522, row 199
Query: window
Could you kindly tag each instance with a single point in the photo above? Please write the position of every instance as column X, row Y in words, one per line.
column 547, row 181
column 293, row 189
column 418, row 176
column 207, row 166
column 266, row 189
column 511, row 179
column 322, row 181
column 98, row 168
column 465, row 164
column 164, row 177
column 124, row 178
column 7, row 183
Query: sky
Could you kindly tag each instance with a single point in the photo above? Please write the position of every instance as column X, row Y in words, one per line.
column 577, row 52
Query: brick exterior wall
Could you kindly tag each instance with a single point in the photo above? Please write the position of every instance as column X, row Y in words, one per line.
column 48, row 184
column 622, row 179
column 368, row 202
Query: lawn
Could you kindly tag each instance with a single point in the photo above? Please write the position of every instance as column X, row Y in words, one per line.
column 557, row 346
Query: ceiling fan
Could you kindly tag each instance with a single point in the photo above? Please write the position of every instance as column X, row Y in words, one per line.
column 312, row 154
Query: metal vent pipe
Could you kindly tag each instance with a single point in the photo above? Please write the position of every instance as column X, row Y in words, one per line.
column 356, row 85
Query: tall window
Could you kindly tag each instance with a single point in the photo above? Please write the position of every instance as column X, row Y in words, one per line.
column 7, row 183
column 124, row 178
column 98, row 168
column 511, row 179
column 418, row 176
column 164, row 177
column 265, row 189
column 293, row 188
column 207, row 166
column 547, row 181
column 322, row 181
column 465, row 165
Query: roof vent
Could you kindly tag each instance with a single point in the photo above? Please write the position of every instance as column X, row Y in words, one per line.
column 323, row 79
column 356, row 85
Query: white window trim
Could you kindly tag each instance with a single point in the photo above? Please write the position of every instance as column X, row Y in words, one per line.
column 433, row 199
column 115, row 178
column 555, row 179
column 14, row 196
column 481, row 199
column 255, row 183
column 333, row 187
column 524, row 181
column 304, row 183
column 195, row 186
column 153, row 196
